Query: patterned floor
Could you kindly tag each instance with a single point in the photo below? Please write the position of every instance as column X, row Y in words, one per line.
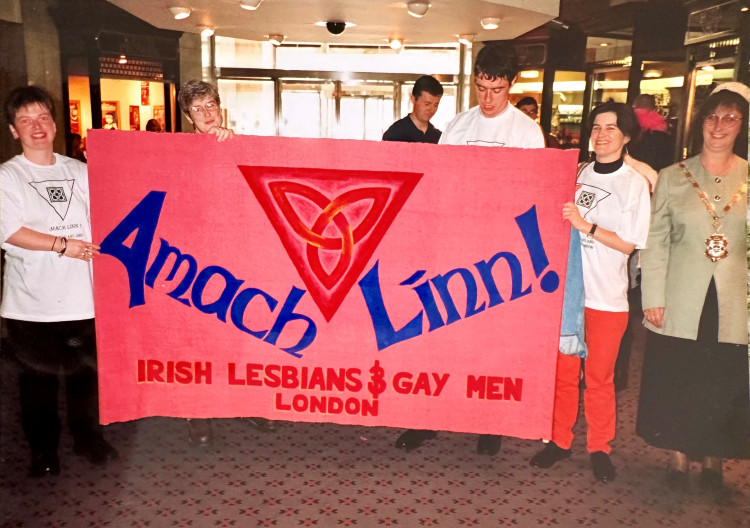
column 329, row 475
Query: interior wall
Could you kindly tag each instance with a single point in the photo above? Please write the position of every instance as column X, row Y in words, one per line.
column 128, row 93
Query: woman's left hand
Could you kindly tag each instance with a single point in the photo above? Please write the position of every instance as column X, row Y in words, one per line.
column 570, row 212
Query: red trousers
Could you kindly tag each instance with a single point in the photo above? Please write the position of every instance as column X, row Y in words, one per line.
column 603, row 333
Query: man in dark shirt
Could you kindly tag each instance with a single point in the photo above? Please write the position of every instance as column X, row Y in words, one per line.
column 416, row 127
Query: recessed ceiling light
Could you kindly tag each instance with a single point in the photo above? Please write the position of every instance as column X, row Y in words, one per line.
column 652, row 74
column 206, row 31
column 529, row 74
column 276, row 40
column 707, row 68
column 122, row 60
column 396, row 43
column 250, row 5
column 466, row 39
column 179, row 12
column 417, row 9
column 604, row 44
column 490, row 22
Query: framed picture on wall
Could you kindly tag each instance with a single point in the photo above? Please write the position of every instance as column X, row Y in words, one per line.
column 144, row 93
column 111, row 115
column 135, row 117
column 159, row 115
column 75, row 117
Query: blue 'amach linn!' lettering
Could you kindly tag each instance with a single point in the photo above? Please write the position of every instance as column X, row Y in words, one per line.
column 232, row 302
column 385, row 333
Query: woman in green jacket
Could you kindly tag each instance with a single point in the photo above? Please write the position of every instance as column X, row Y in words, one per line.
column 694, row 391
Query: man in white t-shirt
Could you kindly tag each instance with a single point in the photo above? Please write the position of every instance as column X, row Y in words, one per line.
column 494, row 122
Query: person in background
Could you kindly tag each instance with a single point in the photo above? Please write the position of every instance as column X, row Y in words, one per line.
column 494, row 122
column 530, row 107
column 48, row 298
column 694, row 389
column 416, row 127
column 152, row 125
column 76, row 148
column 611, row 212
column 653, row 145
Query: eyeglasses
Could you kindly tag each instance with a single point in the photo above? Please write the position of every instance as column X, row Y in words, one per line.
column 208, row 108
column 728, row 120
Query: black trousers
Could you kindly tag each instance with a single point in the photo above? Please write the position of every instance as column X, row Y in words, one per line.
column 44, row 352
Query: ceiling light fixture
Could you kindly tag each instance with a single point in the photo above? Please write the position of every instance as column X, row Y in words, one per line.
column 417, row 9
column 250, row 5
column 466, row 39
column 122, row 60
column 206, row 31
column 276, row 40
column 604, row 44
column 652, row 74
column 396, row 43
column 334, row 27
column 179, row 12
column 707, row 68
column 529, row 74
column 490, row 22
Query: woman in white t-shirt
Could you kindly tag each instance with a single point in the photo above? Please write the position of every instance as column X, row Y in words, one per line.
column 48, row 300
column 611, row 211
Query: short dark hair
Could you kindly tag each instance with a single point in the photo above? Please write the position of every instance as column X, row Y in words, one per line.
column 730, row 100
column 193, row 90
column 645, row 101
column 525, row 101
column 429, row 84
column 496, row 61
column 24, row 96
column 627, row 121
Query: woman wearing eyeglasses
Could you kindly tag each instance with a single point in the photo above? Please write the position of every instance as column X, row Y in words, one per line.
column 200, row 103
column 694, row 391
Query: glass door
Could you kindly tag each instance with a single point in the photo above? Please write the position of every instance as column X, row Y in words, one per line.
column 307, row 108
column 366, row 110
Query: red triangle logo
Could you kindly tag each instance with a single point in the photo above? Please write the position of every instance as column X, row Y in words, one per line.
column 330, row 221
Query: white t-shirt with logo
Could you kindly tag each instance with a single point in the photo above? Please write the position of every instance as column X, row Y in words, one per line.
column 40, row 286
column 510, row 128
column 618, row 202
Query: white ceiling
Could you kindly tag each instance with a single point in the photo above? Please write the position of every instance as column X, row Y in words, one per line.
column 376, row 20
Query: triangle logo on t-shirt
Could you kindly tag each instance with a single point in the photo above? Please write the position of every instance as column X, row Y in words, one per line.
column 589, row 197
column 57, row 193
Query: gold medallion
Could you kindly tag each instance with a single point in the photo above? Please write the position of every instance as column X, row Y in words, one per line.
column 716, row 247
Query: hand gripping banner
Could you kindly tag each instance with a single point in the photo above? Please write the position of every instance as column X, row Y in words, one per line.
column 354, row 282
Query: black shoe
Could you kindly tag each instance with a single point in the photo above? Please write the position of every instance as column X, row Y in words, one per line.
column 262, row 424
column 604, row 471
column 710, row 480
column 677, row 480
column 200, row 432
column 549, row 456
column 489, row 444
column 413, row 438
column 96, row 450
column 44, row 464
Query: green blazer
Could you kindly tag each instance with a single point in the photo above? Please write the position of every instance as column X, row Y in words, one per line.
column 675, row 270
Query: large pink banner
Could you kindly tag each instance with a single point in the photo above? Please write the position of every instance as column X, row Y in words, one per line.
column 354, row 282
